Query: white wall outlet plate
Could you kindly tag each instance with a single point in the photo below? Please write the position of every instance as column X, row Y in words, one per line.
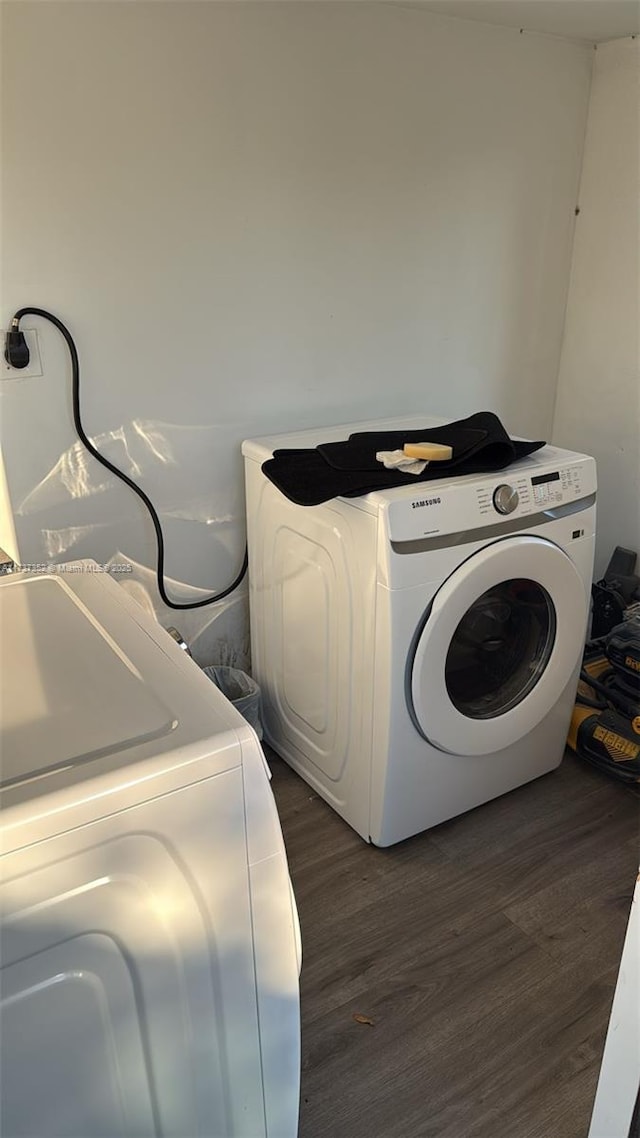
column 33, row 368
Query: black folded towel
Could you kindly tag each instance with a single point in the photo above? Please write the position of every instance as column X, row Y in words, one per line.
column 348, row 469
column 359, row 451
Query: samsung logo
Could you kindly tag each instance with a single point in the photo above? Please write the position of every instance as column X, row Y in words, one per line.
column 426, row 502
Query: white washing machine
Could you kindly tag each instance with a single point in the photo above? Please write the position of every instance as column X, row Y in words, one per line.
column 418, row 648
column 150, row 946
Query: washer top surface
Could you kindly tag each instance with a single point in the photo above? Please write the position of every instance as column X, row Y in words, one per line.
column 261, row 449
column 457, row 502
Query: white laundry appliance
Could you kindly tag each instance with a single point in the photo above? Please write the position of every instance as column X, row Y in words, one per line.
column 617, row 1098
column 150, row 944
column 418, row 648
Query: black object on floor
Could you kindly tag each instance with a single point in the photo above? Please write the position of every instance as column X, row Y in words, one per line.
column 347, row 469
column 619, row 588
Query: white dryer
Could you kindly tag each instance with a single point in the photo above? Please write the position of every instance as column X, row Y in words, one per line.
column 150, row 945
column 418, row 648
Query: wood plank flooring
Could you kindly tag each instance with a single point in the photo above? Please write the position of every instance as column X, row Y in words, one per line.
column 485, row 952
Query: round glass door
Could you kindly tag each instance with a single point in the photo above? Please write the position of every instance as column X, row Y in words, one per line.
column 500, row 648
column 500, row 640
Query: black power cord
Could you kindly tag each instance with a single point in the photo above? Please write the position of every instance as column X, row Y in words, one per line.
column 15, row 343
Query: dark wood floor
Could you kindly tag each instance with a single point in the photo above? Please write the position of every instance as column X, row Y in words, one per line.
column 485, row 952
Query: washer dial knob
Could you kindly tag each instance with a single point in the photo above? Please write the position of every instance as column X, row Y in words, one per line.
column 505, row 499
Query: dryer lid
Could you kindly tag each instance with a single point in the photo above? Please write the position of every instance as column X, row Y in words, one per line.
column 91, row 684
column 68, row 693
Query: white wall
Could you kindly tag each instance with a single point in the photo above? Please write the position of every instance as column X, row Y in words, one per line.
column 267, row 216
column 598, row 407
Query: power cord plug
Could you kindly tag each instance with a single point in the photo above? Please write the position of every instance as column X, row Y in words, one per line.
column 16, row 350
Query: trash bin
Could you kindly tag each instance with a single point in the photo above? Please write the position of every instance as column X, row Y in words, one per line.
column 240, row 690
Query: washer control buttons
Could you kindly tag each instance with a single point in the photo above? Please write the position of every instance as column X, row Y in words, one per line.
column 505, row 499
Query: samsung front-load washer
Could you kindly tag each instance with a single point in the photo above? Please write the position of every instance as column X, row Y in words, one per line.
column 150, row 946
column 418, row 648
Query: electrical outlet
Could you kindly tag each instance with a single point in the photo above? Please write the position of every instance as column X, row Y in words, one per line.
column 33, row 368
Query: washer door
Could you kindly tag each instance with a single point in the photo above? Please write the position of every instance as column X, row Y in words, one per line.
column 500, row 642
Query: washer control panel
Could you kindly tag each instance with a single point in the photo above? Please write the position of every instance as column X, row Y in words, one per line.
column 463, row 505
column 529, row 495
